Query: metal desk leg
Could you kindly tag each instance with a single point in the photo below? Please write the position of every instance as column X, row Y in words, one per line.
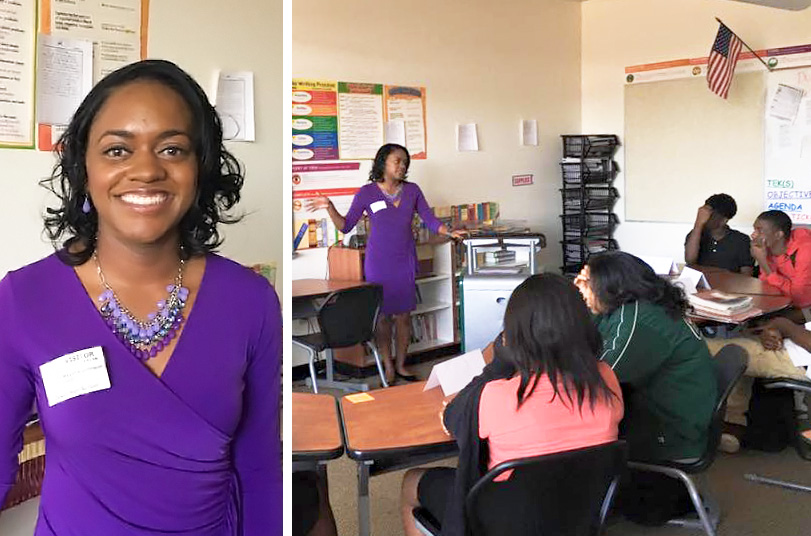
column 364, row 528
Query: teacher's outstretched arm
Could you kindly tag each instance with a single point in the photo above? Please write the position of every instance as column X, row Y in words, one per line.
column 324, row 202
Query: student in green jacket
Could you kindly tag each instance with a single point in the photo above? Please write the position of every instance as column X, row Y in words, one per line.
column 659, row 357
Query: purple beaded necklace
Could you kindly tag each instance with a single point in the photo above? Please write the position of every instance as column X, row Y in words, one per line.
column 144, row 338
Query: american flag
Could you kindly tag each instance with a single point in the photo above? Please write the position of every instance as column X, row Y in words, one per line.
column 721, row 64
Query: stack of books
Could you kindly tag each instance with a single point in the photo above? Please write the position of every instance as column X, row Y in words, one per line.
column 500, row 256
column 723, row 307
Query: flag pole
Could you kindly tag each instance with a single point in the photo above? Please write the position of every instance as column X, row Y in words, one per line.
column 747, row 46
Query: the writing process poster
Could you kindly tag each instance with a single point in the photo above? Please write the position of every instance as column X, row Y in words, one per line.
column 315, row 120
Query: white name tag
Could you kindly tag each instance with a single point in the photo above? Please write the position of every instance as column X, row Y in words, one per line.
column 74, row 374
column 377, row 205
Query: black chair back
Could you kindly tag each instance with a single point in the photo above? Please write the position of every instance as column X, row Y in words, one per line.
column 348, row 317
column 562, row 494
column 730, row 364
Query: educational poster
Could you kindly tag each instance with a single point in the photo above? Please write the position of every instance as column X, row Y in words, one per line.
column 17, row 59
column 360, row 120
column 407, row 105
column 117, row 28
column 337, row 180
column 787, row 166
column 315, row 120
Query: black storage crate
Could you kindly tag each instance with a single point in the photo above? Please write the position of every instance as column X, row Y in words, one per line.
column 590, row 198
column 589, row 146
column 588, row 224
column 577, row 251
column 588, row 172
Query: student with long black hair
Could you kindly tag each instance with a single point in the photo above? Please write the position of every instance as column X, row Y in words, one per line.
column 659, row 358
column 544, row 392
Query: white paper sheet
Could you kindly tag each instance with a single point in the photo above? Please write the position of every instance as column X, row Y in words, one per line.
column 786, row 102
column 396, row 132
column 235, row 104
column 529, row 132
column 800, row 357
column 454, row 374
column 660, row 265
column 691, row 280
column 467, row 139
column 64, row 77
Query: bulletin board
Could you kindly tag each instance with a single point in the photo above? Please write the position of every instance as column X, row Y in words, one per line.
column 683, row 143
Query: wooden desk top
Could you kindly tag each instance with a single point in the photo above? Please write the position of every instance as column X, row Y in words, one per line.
column 312, row 288
column 401, row 419
column 740, row 284
column 316, row 428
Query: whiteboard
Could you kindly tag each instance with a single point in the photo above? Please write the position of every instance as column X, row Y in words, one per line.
column 683, row 143
column 787, row 184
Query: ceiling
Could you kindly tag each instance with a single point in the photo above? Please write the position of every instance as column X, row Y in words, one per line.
column 794, row 5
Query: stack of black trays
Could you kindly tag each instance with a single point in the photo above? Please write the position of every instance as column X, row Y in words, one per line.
column 588, row 198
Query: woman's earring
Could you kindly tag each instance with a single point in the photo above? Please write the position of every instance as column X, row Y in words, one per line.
column 86, row 205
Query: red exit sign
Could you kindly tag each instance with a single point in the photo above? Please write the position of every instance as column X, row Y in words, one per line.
column 522, row 180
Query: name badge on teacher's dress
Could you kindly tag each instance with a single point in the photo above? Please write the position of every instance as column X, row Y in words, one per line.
column 74, row 374
column 377, row 206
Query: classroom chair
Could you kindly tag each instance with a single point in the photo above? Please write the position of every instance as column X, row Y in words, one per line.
column 566, row 492
column 803, row 449
column 798, row 386
column 730, row 363
column 346, row 318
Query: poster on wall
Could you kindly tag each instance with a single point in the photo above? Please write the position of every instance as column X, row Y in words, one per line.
column 339, row 181
column 315, row 120
column 787, row 165
column 117, row 29
column 17, row 61
column 360, row 120
column 407, row 105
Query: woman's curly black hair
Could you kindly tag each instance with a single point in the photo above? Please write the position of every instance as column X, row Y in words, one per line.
column 618, row 278
column 219, row 174
column 379, row 164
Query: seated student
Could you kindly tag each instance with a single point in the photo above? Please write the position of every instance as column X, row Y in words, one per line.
column 768, row 358
column 713, row 243
column 312, row 514
column 544, row 392
column 784, row 257
column 665, row 370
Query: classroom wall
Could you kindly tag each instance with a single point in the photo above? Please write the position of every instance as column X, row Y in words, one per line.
column 481, row 62
column 201, row 37
column 620, row 33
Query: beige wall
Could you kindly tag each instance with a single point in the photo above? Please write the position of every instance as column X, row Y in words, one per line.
column 620, row 33
column 201, row 37
column 482, row 62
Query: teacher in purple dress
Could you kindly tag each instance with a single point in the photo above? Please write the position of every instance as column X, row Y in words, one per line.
column 154, row 363
column 391, row 259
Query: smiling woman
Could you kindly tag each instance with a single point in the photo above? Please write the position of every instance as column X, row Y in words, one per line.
column 160, row 356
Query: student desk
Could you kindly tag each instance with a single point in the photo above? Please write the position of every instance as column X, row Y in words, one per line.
column 305, row 294
column 305, row 291
column 398, row 429
column 316, row 428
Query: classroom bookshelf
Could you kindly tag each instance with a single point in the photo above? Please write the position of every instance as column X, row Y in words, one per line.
column 587, row 219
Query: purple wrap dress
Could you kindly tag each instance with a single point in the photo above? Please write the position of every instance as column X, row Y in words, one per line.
column 194, row 452
column 391, row 255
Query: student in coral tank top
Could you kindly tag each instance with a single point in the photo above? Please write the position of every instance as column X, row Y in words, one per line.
column 544, row 392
